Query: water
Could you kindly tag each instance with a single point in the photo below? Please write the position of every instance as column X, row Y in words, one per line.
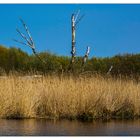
column 68, row 128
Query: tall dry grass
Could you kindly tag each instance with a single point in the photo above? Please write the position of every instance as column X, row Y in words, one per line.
column 67, row 97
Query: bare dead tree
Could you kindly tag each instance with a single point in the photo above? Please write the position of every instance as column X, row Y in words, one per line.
column 75, row 19
column 28, row 41
column 86, row 56
column 73, row 51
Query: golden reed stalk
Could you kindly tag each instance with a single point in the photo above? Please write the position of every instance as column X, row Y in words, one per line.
column 67, row 97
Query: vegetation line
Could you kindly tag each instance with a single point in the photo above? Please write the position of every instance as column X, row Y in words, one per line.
column 13, row 59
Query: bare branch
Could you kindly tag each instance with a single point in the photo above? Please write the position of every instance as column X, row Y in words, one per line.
column 29, row 41
column 20, row 42
column 26, row 28
column 86, row 55
column 110, row 69
column 76, row 16
column 79, row 20
column 24, row 37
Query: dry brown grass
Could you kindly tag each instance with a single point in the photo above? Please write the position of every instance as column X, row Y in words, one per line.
column 67, row 97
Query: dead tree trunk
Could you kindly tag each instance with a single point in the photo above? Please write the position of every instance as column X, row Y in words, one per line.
column 75, row 19
column 110, row 69
column 73, row 40
column 85, row 57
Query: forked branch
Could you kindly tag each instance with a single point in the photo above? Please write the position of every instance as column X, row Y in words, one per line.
column 78, row 20
column 28, row 40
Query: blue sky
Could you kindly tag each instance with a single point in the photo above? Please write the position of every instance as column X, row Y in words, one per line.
column 108, row 29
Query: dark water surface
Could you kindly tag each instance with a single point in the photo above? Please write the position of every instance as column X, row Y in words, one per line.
column 42, row 127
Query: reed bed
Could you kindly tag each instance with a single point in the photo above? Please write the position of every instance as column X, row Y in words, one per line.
column 54, row 97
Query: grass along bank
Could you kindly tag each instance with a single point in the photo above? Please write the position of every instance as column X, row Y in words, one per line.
column 67, row 97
